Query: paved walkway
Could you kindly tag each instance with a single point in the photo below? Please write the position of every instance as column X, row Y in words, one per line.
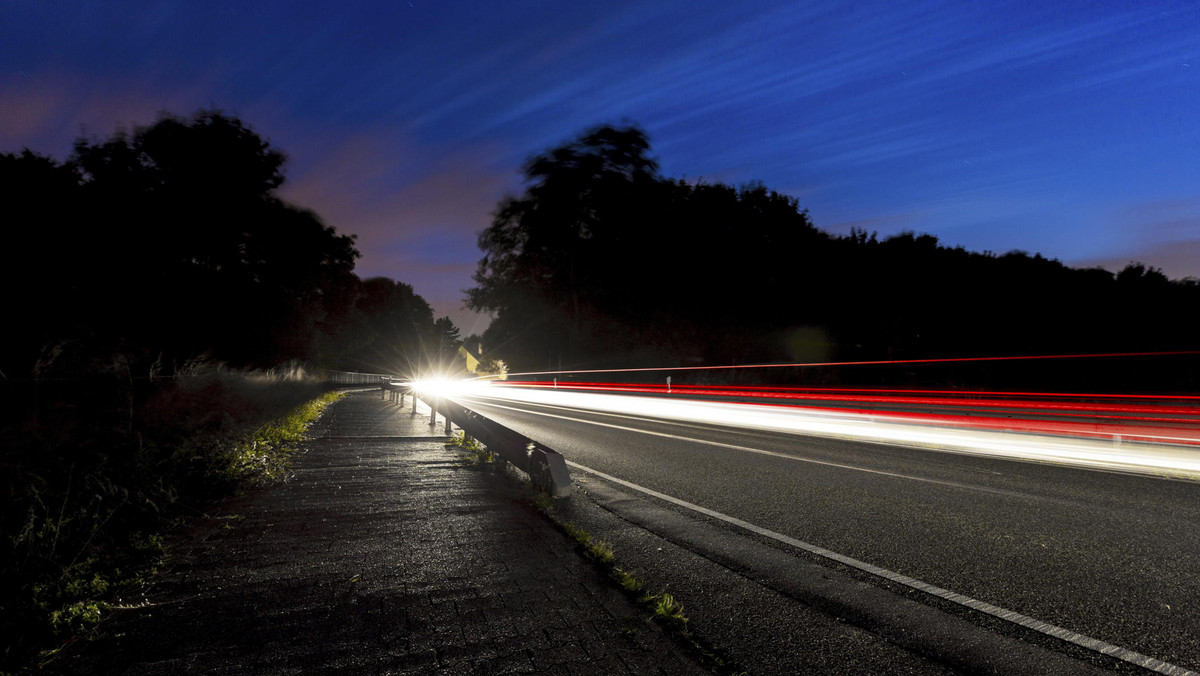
column 383, row 555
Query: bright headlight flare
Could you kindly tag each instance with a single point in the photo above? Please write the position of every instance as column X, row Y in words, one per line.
column 438, row 387
column 449, row 388
column 1153, row 454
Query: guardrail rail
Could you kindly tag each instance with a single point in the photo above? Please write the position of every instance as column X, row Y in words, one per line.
column 546, row 467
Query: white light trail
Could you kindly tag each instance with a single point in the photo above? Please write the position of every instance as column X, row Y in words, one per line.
column 1156, row 458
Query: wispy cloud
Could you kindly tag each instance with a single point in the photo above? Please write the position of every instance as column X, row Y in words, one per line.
column 1018, row 125
column 47, row 111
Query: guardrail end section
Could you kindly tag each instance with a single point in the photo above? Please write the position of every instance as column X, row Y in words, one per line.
column 548, row 470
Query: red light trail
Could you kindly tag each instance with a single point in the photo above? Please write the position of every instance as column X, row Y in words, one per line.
column 946, row 360
column 1171, row 419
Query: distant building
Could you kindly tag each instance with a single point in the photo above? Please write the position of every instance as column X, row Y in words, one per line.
column 478, row 366
column 473, row 359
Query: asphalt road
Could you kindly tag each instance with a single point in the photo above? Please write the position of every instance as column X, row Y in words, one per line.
column 1109, row 555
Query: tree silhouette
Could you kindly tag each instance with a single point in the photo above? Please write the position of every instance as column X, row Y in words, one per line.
column 141, row 255
column 37, row 195
column 601, row 246
column 170, row 242
column 448, row 338
column 546, row 252
column 387, row 329
column 602, row 262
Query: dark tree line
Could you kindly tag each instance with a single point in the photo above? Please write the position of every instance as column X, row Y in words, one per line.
column 391, row 329
column 170, row 243
column 604, row 262
column 128, row 272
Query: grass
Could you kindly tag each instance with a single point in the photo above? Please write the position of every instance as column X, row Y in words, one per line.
column 477, row 454
column 666, row 609
column 266, row 455
column 102, row 470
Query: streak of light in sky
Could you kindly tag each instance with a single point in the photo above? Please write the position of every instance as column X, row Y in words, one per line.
column 1065, row 128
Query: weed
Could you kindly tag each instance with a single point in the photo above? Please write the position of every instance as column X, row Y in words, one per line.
column 578, row 534
column 601, row 552
column 266, row 456
column 666, row 610
column 481, row 457
column 598, row 551
column 78, row 617
column 477, row 454
column 543, row 503
column 629, row 584
column 92, row 487
column 461, row 440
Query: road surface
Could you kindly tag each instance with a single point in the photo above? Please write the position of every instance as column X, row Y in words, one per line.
column 1111, row 555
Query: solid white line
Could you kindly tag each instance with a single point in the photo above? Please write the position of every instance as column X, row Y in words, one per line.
column 1088, row 642
column 1157, row 461
column 760, row 451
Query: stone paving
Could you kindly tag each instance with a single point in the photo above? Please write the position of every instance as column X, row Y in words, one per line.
column 384, row 554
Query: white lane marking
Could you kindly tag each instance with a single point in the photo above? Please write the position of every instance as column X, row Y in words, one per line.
column 1161, row 460
column 1088, row 642
column 760, row 451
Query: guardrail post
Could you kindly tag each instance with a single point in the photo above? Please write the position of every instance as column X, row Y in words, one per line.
column 548, row 469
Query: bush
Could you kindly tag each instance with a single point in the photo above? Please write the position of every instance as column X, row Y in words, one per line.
column 98, row 468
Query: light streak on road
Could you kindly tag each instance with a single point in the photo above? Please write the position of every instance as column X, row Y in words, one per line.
column 876, row 362
column 1060, row 404
column 1130, row 446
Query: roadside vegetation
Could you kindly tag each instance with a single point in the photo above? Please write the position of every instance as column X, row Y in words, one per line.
column 477, row 454
column 665, row 609
column 103, row 470
column 166, row 250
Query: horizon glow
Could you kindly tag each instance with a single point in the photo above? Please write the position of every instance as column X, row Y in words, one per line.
column 1065, row 128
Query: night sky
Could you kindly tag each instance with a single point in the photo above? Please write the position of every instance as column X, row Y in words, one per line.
column 1066, row 128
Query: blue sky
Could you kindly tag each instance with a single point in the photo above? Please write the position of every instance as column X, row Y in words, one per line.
column 1071, row 129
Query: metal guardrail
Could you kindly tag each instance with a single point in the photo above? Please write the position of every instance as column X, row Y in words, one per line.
column 395, row 391
column 546, row 467
column 354, row 378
